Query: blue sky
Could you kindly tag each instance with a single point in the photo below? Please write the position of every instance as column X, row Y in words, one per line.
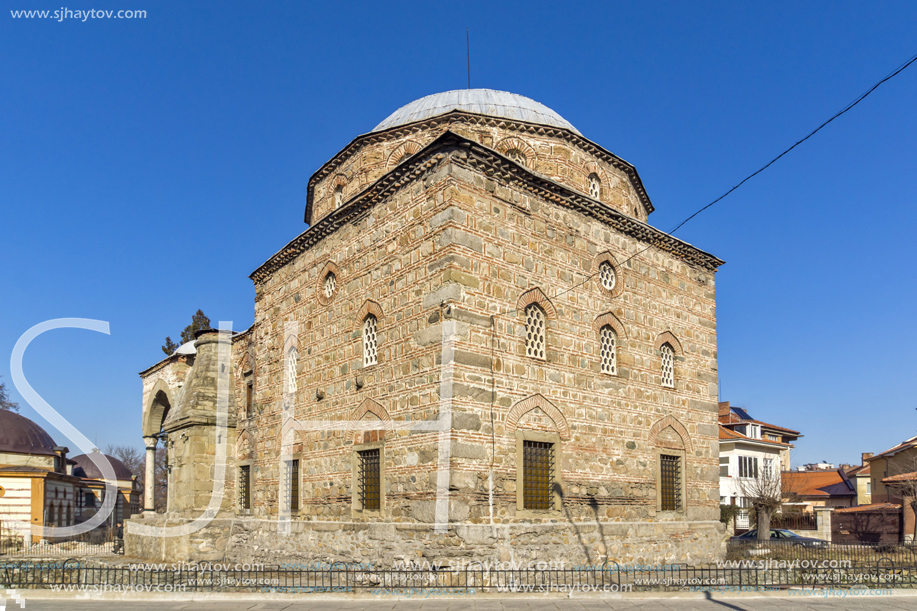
column 147, row 166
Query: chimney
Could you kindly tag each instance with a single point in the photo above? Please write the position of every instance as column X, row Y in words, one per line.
column 866, row 455
column 724, row 408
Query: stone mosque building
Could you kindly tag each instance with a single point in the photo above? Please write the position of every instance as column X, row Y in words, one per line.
column 479, row 349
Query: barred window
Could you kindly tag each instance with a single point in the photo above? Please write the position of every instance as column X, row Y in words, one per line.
column 607, row 275
column 338, row 196
column 329, row 285
column 595, row 186
column 537, row 475
column 670, row 482
column 534, row 331
column 292, row 357
column 293, row 484
column 370, row 348
column 609, row 351
column 245, row 496
column 370, row 480
column 668, row 365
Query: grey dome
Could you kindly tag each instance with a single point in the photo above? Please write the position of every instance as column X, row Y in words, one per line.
column 186, row 348
column 87, row 469
column 20, row 435
column 481, row 101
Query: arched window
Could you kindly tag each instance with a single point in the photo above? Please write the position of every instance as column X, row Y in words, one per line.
column 668, row 365
column 534, row 331
column 609, row 350
column 370, row 348
column 516, row 155
column 607, row 276
column 329, row 285
column 338, row 196
column 292, row 357
column 595, row 186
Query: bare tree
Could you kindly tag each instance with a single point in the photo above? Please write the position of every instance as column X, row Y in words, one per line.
column 764, row 493
column 132, row 458
column 5, row 402
column 903, row 471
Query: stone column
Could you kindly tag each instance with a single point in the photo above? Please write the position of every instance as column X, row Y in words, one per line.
column 823, row 517
column 149, row 481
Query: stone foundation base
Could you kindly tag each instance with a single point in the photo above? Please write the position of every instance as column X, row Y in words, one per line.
column 384, row 545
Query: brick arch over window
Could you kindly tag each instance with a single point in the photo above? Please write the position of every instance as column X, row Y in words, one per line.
column 592, row 167
column 678, row 427
column 367, row 409
column 612, row 321
column 508, row 145
column 607, row 257
column 369, row 307
column 338, row 181
column 244, row 446
column 537, row 401
column 332, row 268
column 160, row 404
column 246, row 364
column 535, row 295
column 402, row 152
column 667, row 337
column 291, row 342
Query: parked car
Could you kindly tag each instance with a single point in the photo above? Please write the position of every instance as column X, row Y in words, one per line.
column 779, row 535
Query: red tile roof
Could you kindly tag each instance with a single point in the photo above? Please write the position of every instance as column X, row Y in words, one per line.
column 731, row 435
column 912, row 442
column 860, row 471
column 901, row 477
column 817, row 483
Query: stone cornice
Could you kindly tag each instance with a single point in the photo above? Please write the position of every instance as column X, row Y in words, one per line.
column 455, row 116
column 478, row 158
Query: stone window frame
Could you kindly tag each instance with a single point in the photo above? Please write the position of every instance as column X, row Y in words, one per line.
column 682, row 511
column 607, row 257
column 536, row 296
column 608, row 319
column 337, row 191
column 370, row 308
column 289, row 458
column 328, row 268
column 523, row 435
column 291, row 368
column 251, row 480
column 356, row 502
column 594, row 182
column 678, row 356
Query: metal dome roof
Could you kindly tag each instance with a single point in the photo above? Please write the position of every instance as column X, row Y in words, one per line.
column 20, row 435
column 87, row 469
column 481, row 101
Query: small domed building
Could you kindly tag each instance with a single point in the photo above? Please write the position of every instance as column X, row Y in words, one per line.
column 479, row 349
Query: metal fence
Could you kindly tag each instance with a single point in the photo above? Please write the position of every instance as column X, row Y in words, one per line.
column 795, row 521
column 76, row 576
column 856, row 553
column 20, row 548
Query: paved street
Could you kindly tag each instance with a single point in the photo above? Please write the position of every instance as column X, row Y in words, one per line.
column 852, row 603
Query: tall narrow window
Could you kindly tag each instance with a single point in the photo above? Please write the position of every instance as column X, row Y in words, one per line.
column 670, row 482
column 338, row 196
column 370, row 480
column 668, row 365
column 534, row 331
column 329, row 285
column 595, row 186
column 537, row 475
column 292, row 357
column 370, row 347
column 249, row 398
column 294, row 485
column 609, row 352
column 748, row 466
column 245, row 498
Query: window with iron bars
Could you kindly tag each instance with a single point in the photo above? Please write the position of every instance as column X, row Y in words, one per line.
column 537, row 475
column 245, row 495
column 294, row 484
column 370, row 480
column 670, row 482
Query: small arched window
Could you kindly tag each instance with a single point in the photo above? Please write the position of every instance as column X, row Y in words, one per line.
column 607, row 276
column 329, row 285
column 595, row 186
column 338, row 196
column 668, row 365
column 609, row 350
column 370, row 347
column 516, row 155
column 534, row 331
column 292, row 358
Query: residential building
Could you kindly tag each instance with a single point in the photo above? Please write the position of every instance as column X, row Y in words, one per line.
column 820, row 488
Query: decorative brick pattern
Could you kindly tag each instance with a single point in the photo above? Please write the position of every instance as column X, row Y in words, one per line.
column 666, row 422
column 607, row 257
column 535, row 295
column 329, row 268
column 403, row 151
column 667, row 337
column 518, row 150
column 367, row 410
column 538, row 402
column 612, row 321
